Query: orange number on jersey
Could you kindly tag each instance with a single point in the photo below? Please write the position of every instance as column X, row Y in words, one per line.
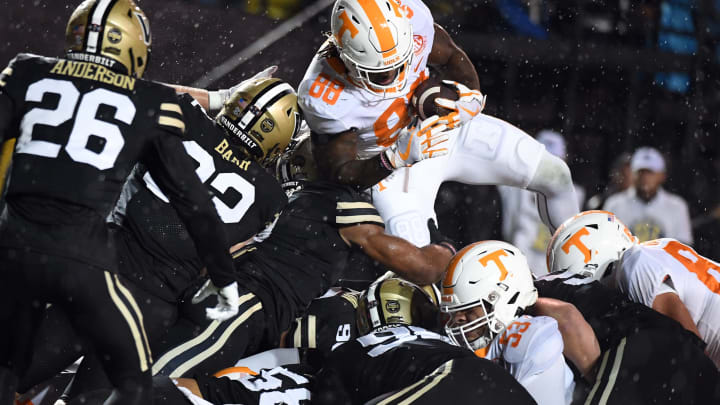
column 695, row 264
column 326, row 87
column 386, row 134
column 514, row 338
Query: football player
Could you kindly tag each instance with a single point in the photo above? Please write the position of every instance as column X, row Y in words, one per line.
column 356, row 98
column 487, row 290
column 82, row 122
column 157, row 259
column 400, row 357
column 642, row 356
column 302, row 258
column 663, row 274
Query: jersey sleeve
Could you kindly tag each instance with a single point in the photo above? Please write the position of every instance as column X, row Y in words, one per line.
column 323, row 117
column 174, row 172
column 640, row 276
column 193, row 114
column 350, row 210
column 538, row 345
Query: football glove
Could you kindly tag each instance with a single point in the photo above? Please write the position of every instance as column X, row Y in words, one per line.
column 228, row 300
column 424, row 141
column 470, row 103
column 438, row 238
column 217, row 98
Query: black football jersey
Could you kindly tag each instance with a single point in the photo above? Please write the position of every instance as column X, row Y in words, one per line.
column 304, row 255
column 80, row 129
column 328, row 322
column 610, row 314
column 247, row 199
column 384, row 361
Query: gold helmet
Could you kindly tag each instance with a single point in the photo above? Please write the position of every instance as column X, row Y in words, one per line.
column 263, row 116
column 113, row 33
column 394, row 301
column 296, row 165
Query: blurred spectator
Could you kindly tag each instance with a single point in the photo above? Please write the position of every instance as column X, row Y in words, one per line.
column 521, row 224
column 277, row 9
column 620, row 180
column 649, row 210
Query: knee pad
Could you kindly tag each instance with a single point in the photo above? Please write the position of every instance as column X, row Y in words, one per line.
column 552, row 176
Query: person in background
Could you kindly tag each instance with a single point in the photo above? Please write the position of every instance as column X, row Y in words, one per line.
column 620, row 180
column 649, row 210
column 521, row 224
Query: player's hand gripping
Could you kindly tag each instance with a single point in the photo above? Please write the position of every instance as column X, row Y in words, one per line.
column 438, row 238
column 470, row 103
column 424, row 141
column 228, row 300
column 217, row 98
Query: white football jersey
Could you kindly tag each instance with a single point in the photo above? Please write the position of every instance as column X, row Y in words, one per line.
column 531, row 350
column 332, row 104
column 665, row 216
column 666, row 265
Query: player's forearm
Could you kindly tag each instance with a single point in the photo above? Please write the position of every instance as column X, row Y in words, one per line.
column 670, row 305
column 361, row 174
column 200, row 95
column 581, row 346
column 422, row 266
column 462, row 70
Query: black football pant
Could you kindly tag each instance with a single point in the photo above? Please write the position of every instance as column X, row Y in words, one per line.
column 655, row 367
column 204, row 347
column 466, row 380
column 98, row 307
column 57, row 344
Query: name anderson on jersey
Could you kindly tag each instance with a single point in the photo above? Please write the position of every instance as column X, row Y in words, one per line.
column 95, row 72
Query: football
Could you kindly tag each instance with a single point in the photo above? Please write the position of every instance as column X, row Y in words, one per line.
column 423, row 98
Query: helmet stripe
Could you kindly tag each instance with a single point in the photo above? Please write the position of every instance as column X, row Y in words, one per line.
column 98, row 18
column 380, row 26
column 268, row 104
column 261, row 101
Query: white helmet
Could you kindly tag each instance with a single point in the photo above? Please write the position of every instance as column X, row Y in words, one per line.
column 375, row 42
column 588, row 243
column 493, row 276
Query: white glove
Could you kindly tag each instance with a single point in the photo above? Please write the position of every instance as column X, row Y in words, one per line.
column 424, row 141
column 217, row 98
column 470, row 103
column 228, row 300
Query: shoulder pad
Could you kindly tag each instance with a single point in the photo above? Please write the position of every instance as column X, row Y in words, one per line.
column 538, row 347
column 323, row 116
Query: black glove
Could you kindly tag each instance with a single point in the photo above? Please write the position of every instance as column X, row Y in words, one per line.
column 438, row 238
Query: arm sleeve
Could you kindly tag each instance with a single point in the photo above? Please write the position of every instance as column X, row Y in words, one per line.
column 173, row 171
